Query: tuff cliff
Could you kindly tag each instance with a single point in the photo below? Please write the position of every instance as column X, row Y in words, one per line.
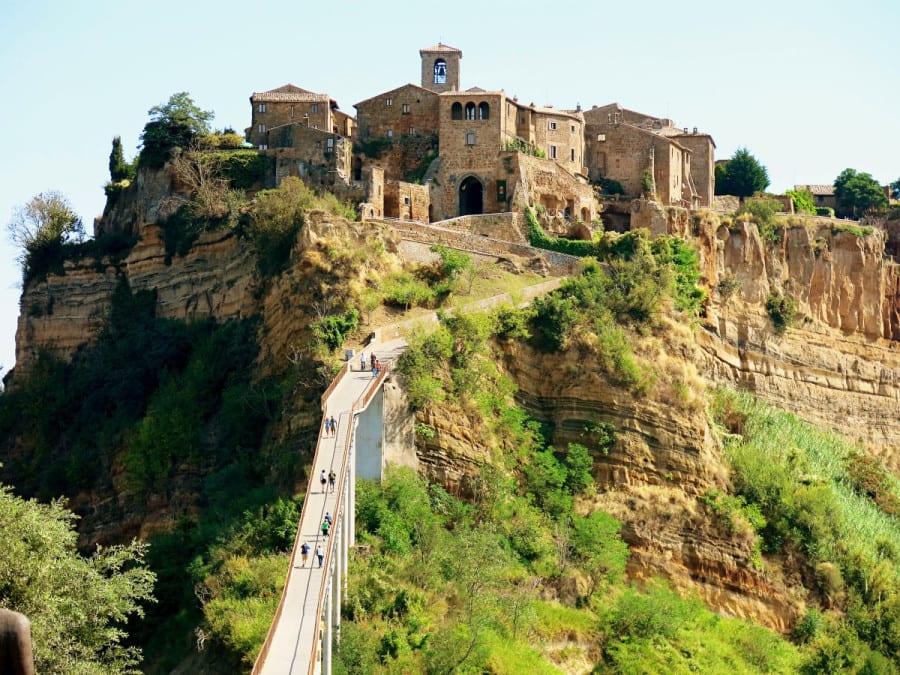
column 838, row 365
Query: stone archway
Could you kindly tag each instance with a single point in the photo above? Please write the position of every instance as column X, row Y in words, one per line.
column 471, row 197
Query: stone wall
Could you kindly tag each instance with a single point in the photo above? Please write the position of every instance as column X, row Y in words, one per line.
column 318, row 157
column 407, row 110
column 509, row 226
column 555, row 264
column 314, row 112
column 702, row 165
column 406, row 201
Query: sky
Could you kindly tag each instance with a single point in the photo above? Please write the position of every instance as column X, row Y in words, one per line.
column 809, row 88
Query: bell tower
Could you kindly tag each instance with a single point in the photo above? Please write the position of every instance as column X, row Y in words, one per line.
column 440, row 68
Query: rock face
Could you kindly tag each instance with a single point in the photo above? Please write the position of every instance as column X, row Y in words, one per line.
column 839, row 364
column 215, row 278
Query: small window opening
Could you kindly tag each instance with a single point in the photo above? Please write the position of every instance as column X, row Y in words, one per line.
column 440, row 72
column 456, row 111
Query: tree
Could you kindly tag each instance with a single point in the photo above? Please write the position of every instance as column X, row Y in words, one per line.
column 803, row 201
column 47, row 220
column 119, row 169
column 895, row 189
column 856, row 193
column 743, row 175
column 172, row 125
column 77, row 606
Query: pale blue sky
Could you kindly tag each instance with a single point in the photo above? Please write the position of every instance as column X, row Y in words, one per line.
column 810, row 88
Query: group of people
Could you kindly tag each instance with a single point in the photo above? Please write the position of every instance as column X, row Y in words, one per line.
column 330, row 426
column 329, row 480
column 320, row 554
column 373, row 361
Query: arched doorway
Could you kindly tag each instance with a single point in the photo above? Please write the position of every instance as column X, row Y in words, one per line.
column 471, row 197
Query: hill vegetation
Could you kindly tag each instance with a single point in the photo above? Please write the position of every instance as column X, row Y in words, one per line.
column 522, row 574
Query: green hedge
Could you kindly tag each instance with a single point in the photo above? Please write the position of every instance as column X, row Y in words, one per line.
column 539, row 239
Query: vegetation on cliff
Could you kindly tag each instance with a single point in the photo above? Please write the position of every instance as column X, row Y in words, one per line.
column 77, row 605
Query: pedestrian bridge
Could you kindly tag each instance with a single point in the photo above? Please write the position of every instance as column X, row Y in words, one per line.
column 308, row 618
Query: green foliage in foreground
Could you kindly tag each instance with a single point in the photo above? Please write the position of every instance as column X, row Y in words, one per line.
column 443, row 586
column 77, row 605
column 804, row 202
column 817, row 499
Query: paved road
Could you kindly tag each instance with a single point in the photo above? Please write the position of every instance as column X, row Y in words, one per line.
column 292, row 644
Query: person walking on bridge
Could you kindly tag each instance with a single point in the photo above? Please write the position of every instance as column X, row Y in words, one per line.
column 323, row 480
column 362, row 362
column 304, row 552
column 333, row 424
column 331, row 479
column 325, row 526
column 320, row 554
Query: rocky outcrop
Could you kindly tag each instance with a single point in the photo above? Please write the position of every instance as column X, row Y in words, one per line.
column 216, row 278
column 838, row 365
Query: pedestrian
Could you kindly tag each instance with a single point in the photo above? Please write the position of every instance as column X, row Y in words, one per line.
column 325, row 526
column 328, row 518
column 331, row 478
column 362, row 362
column 333, row 426
column 304, row 552
column 374, row 368
column 325, row 435
column 323, row 480
column 320, row 554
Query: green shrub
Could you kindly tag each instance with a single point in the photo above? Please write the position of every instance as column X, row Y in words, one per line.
column 333, row 330
column 782, row 310
column 648, row 185
column 403, row 290
column 728, row 285
column 374, row 148
column 608, row 186
column 825, row 211
column 242, row 168
column 803, row 201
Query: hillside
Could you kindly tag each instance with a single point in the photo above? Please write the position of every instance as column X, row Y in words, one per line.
column 168, row 384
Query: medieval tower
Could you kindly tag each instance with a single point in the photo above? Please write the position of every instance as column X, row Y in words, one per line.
column 440, row 68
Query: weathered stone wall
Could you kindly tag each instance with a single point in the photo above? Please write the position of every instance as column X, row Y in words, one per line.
column 406, row 201
column 395, row 112
column 560, row 135
column 556, row 264
column 509, row 226
column 314, row 112
column 542, row 181
column 318, row 157
column 702, row 165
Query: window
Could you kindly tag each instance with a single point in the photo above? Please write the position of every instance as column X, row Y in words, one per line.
column 484, row 111
column 551, row 126
column 329, row 143
column 262, row 146
column 572, row 154
column 470, row 138
column 314, row 108
column 390, row 133
column 573, row 128
column 262, row 107
column 412, row 130
column 440, row 72
column 406, row 199
column 552, row 153
column 406, row 108
column 601, row 137
column 389, row 102
column 456, row 111
column 262, row 128
column 470, row 111
column 292, row 111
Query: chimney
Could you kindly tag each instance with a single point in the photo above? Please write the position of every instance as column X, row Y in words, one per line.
column 685, row 130
column 695, row 130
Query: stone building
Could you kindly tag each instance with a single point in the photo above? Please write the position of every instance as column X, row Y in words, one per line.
column 432, row 151
column 823, row 195
column 620, row 144
column 293, row 105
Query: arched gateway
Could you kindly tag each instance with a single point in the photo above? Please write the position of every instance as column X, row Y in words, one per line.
column 471, row 197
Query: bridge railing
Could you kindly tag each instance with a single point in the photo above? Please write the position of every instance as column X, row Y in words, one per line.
column 361, row 403
column 358, row 406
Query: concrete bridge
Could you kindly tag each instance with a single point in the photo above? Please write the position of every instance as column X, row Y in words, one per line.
column 308, row 618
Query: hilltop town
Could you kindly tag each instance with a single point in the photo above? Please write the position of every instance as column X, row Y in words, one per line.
column 432, row 151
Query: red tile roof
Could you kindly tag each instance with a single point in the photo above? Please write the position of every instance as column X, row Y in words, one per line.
column 441, row 47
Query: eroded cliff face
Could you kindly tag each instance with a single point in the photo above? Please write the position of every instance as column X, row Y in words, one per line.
column 838, row 365
column 216, row 278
